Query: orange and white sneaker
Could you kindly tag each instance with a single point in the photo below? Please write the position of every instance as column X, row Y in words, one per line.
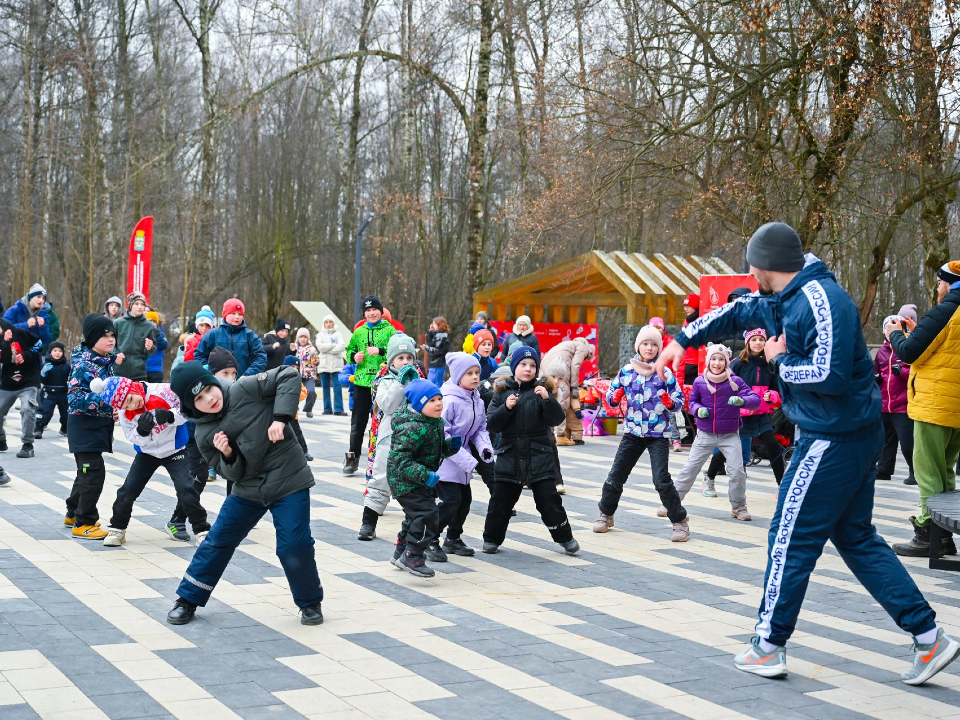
column 756, row 661
column 930, row 659
column 89, row 532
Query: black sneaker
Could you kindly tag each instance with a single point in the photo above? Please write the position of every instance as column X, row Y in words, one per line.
column 398, row 550
column 435, row 553
column 4, row 478
column 311, row 615
column 884, row 476
column 571, row 547
column 413, row 562
column 350, row 463
column 26, row 451
column 3, row 446
column 490, row 548
column 367, row 532
column 182, row 613
column 911, row 480
column 308, row 457
column 38, row 434
column 63, row 432
column 457, row 547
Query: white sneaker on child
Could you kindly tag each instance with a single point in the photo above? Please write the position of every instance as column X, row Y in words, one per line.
column 708, row 486
column 115, row 537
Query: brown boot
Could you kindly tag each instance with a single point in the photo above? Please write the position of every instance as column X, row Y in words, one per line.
column 564, row 441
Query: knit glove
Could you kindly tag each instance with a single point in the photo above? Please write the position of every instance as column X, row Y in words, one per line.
column 703, row 413
column 737, row 401
column 164, row 416
column 456, row 442
column 145, row 424
column 432, row 480
column 665, row 399
column 407, row 373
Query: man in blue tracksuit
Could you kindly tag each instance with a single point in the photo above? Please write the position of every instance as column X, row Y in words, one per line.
column 826, row 381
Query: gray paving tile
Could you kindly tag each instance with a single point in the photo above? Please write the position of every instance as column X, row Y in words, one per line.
column 124, row 706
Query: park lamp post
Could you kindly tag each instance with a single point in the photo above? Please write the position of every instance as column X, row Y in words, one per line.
column 356, row 271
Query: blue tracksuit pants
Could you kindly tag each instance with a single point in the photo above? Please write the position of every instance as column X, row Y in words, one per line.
column 827, row 494
column 291, row 517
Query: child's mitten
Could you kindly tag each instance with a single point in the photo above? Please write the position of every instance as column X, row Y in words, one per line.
column 703, row 413
column 737, row 401
column 432, row 480
column 665, row 399
column 456, row 442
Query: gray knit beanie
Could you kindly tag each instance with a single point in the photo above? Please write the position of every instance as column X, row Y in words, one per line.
column 777, row 247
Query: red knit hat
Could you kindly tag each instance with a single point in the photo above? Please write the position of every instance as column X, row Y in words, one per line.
column 480, row 336
column 692, row 300
column 233, row 305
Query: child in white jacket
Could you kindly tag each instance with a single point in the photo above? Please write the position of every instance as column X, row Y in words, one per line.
column 150, row 419
column 387, row 389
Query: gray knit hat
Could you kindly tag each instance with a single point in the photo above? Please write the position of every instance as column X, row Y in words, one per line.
column 777, row 247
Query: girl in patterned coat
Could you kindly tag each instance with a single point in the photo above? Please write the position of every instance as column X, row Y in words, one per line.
column 650, row 401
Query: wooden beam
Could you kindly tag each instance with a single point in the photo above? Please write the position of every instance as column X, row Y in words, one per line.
column 591, row 316
column 666, row 280
column 579, row 264
column 646, row 281
column 620, row 280
column 635, row 314
column 556, row 313
column 682, row 272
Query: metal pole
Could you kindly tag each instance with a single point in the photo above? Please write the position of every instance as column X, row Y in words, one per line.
column 356, row 272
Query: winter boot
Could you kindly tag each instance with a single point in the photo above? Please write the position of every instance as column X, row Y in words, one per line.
column 435, row 553
column 413, row 562
column 182, row 612
column 398, row 550
column 571, row 546
column 311, row 615
column 368, row 525
column 741, row 513
column 708, row 486
column 661, row 511
column 603, row 523
column 947, row 545
column 681, row 531
column 350, row 463
column 4, row 478
column 563, row 441
column 457, row 547
column 26, row 451
column 490, row 548
column 919, row 545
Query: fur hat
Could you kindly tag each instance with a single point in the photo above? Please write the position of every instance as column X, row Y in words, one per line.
column 220, row 359
column 524, row 353
column 233, row 305
column 419, row 392
column 648, row 332
column 114, row 390
column 398, row 345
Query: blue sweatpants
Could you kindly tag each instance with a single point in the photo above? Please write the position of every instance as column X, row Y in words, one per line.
column 291, row 517
column 827, row 494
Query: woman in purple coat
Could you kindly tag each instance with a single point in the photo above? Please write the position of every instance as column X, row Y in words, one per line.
column 715, row 401
column 892, row 375
column 464, row 415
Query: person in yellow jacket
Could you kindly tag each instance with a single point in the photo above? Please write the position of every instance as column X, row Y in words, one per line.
column 932, row 348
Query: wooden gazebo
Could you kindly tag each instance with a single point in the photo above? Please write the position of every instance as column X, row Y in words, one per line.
column 571, row 291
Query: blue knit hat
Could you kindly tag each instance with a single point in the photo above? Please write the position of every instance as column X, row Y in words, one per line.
column 206, row 314
column 420, row 392
column 524, row 353
column 291, row 360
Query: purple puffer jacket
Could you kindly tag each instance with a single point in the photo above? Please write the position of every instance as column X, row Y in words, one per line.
column 464, row 415
column 893, row 387
column 724, row 418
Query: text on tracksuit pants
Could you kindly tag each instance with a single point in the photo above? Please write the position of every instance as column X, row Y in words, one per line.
column 827, row 494
column 141, row 470
column 291, row 518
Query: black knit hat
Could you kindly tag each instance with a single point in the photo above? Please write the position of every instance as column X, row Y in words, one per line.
column 57, row 344
column 950, row 272
column 281, row 325
column 95, row 326
column 188, row 380
column 371, row 301
column 219, row 359
column 777, row 247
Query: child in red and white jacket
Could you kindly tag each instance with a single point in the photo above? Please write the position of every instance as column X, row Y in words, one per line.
column 150, row 419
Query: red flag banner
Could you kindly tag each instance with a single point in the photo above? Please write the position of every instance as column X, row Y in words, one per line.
column 138, row 265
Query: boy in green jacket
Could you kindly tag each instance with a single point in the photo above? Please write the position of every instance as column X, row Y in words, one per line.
column 243, row 433
column 418, row 448
column 368, row 349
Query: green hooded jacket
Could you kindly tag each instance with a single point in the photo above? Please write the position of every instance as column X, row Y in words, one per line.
column 363, row 337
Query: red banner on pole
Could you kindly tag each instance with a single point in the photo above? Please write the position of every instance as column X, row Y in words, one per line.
column 138, row 264
column 713, row 294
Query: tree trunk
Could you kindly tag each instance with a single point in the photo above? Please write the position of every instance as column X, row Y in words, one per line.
column 478, row 140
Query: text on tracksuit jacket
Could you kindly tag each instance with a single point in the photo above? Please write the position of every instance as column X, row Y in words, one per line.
column 826, row 376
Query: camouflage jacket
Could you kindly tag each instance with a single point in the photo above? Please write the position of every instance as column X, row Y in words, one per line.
column 417, row 449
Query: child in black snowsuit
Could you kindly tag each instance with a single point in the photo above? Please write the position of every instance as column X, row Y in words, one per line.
column 417, row 448
column 53, row 392
column 523, row 410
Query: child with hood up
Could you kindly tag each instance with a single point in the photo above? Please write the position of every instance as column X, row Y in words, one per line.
column 53, row 394
column 715, row 400
column 650, row 402
column 464, row 415
column 387, row 390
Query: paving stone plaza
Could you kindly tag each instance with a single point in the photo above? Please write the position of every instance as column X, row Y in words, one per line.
column 636, row 626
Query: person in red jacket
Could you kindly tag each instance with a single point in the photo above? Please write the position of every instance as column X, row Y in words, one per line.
column 689, row 365
column 892, row 376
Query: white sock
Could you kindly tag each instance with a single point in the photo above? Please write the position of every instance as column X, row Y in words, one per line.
column 766, row 646
column 928, row 637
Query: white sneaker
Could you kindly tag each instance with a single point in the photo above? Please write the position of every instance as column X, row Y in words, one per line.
column 708, row 486
column 115, row 537
column 201, row 536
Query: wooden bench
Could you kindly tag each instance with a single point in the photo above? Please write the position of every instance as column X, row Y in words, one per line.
column 944, row 509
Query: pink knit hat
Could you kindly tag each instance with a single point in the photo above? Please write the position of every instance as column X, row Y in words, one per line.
column 752, row 333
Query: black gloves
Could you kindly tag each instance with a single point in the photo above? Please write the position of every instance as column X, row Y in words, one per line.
column 164, row 416
column 145, row 424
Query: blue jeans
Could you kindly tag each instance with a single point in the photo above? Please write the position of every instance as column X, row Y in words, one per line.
column 330, row 382
column 291, row 518
column 311, row 386
column 435, row 375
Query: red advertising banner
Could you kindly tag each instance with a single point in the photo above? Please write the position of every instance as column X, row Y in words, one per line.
column 713, row 294
column 551, row 334
column 138, row 264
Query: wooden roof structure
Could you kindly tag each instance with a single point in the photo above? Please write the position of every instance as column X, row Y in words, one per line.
column 572, row 290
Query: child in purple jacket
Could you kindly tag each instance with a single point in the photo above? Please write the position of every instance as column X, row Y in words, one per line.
column 464, row 415
column 646, row 427
column 715, row 400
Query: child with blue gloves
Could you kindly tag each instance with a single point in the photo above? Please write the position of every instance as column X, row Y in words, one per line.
column 418, row 447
